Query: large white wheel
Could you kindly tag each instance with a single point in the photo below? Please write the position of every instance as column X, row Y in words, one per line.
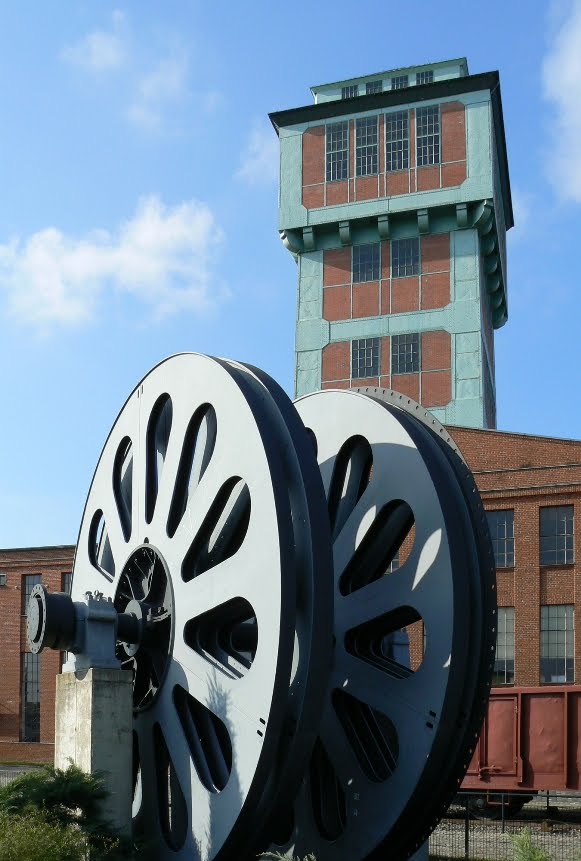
column 392, row 742
column 190, row 524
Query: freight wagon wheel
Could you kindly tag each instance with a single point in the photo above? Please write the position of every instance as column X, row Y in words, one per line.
column 386, row 735
column 191, row 524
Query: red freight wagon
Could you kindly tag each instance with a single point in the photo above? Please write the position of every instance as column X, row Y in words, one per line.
column 530, row 741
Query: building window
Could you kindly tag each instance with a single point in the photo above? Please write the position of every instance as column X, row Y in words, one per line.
column 365, row 263
column 30, row 581
column 30, row 727
column 405, row 257
column 364, row 358
column 405, row 354
column 557, row 644
column 373, row 87
column 399, row 82
column 504, row 660
column 425, row 77
column 501, row 525
column 66, row 583
column 556, row 535
column 365, row 146
column 349, row 92
column 428, row 135
column 337, row 141
column 397, row 141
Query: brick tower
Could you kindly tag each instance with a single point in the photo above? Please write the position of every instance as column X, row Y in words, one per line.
column 395, row 201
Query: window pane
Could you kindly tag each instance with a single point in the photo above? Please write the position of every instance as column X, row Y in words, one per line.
column 405, row 354
column 366, row 146
column 399, row 82
column 365, row 263
column 557, row 644
column 397, row 141
column 501, row 525
column 556, row 530
column 405, row 257
column 373, row 87
column 337, row 146
column 504, row 659
column 425, row 77
column 30, row 727
column 428, row 135
column 364, row 358
column 349, row 92
column 30, row 581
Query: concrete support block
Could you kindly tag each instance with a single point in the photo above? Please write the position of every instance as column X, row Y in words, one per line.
column 94, row 715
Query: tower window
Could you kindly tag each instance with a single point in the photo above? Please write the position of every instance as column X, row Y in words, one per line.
column 373, row 87
column 366, row 146
column 365, row 263
column 405, row 354
column 397, row 141
column 337, row 142
column 399, row 82
column 349, row 92
column 501, row 525
column 364, row 358
column 426, row 77
column 557, row 644
column 504, row 658
column 405, row 257
column 428, row 135
column 556, row 535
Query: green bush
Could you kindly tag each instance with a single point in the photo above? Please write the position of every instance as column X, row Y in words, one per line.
column 32, row 838
column 524, row 848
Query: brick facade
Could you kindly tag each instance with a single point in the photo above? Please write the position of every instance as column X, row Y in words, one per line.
column 450, row 171
column 345, row 300
column 51, row 563
column 431, row 386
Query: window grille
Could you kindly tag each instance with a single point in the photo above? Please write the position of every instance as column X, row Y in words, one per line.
column 365, row 263
column 557, row 644
column 364, row 358
column 405, row 354
column 66, row 583
column 397, row 141
column 428, row 135
column 556, row 535
column 501, row 525
column 405, row 257
column 2, row 579
column 373, row 87
column 399, row 82
column 349, row 92
column 366, row 146
column 426, row 77
column 30, row 727
column 504, row 660
column 337, row 144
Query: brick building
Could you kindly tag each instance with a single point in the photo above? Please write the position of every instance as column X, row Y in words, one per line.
column 27, row 681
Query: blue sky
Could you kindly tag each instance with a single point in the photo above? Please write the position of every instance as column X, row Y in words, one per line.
column 138, row 206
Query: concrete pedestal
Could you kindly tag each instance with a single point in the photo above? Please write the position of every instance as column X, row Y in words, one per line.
column 94, row 730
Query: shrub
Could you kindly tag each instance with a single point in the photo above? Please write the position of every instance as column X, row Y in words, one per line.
column 524, row 848
column 32, row 838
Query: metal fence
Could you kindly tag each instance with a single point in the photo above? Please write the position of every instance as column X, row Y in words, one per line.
column 8, row 774
column 482, row 829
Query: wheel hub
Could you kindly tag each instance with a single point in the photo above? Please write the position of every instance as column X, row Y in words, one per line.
column 144, row 591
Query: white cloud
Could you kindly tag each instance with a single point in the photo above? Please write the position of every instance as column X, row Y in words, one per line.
column 561, row 74
column 99, row 51
column 260, row 160
column 166, row 84
column 163, row 256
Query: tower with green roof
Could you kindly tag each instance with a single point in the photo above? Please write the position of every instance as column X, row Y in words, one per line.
column 395, row 202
